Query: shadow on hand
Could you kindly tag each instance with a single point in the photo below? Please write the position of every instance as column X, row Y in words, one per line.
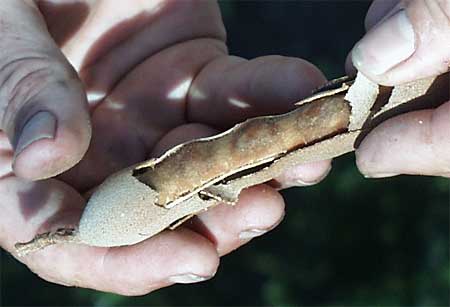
column 52, row 203
column 33, row 200
column 63, row 19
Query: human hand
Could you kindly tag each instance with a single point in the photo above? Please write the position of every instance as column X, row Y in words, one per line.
column 156, row 73
column 406, row 40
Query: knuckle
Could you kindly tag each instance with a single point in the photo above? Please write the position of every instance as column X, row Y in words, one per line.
column 22, row 75
column 20, row 80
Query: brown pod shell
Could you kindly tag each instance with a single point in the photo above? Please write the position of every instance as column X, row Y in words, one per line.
column 140, row 201
column 124, row 210
column 190, row 167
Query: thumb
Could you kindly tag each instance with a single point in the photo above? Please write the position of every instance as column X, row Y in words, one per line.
column 411, row 42
column 43, row 107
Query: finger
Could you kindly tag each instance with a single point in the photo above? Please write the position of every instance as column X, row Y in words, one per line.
column 6, row 154
column 240, row 89
column 350, row 69
column 379, row 10
column 180, row 256
column 43, row 106
column 397, row 50
column 259, row 210
column 414, row 143
column 303, row 175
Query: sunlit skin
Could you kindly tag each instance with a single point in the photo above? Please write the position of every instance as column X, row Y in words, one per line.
column 415, row 143
column 157, row 73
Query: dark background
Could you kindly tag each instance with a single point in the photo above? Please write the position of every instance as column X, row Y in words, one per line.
column 346, row 241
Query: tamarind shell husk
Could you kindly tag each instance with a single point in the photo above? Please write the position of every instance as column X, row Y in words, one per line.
column 145, row 199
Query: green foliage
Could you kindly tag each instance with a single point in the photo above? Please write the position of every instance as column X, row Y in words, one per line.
column 347, row 241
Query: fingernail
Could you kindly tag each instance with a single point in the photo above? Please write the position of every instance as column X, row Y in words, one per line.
column 251, row 233
column 188, row 278
column 386, row 45
column 380, row 175
column 41, row 126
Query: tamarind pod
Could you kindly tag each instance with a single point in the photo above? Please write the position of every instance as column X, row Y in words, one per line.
column 142, row 200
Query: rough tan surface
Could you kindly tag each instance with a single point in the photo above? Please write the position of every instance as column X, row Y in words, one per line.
column 362, row 96
column 124, row 210
column 425, row 93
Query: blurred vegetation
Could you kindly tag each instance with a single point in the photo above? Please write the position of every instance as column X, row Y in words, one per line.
column 347, row 241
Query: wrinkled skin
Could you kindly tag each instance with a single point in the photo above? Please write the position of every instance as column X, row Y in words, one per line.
column 156, row 73
column 394, row 52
